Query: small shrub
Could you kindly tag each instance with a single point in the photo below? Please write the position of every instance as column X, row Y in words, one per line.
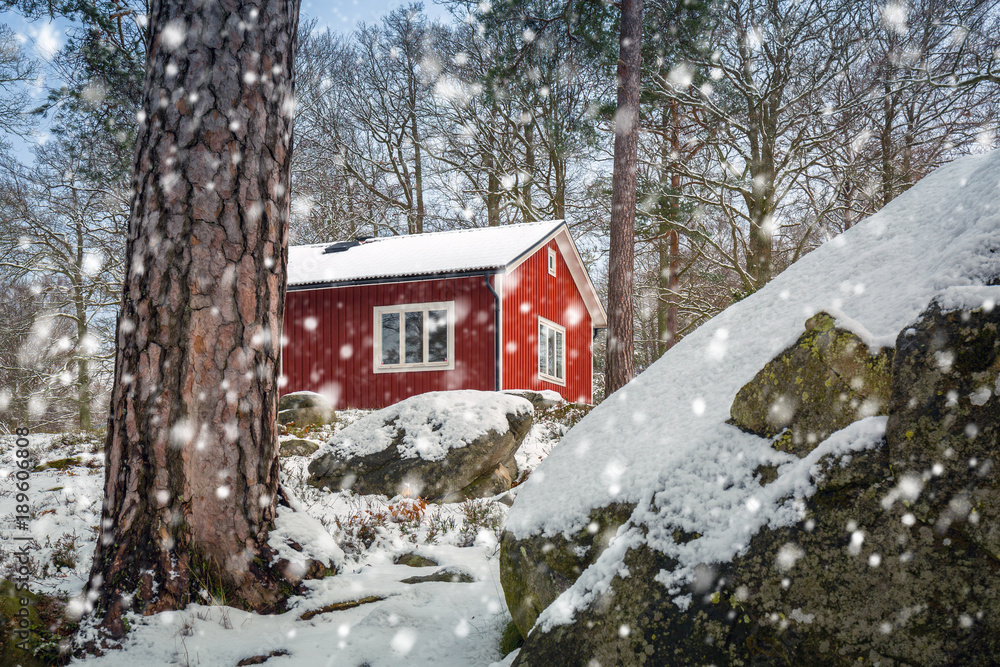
column 479, row 514
column 360, row 530
column 92, row 440
column 64, row 552
column 408, row 509
column 362, row 527
column 438, row 524
column 510, row 638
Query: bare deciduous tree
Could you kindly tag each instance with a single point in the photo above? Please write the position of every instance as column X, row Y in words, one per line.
column 69, row 230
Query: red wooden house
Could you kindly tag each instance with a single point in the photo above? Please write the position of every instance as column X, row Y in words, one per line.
column 371, row 322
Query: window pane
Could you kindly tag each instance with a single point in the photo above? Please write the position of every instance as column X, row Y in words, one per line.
column 390, row 338
column 437, row 335
column 415, row 337
column 543, row 363
column 559, row 354
column 551, row 344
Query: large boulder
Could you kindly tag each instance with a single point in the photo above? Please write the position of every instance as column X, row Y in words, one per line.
column 857, row 549
column 305, row 408
column 442, row 446
column 828, row 379
column 894, row 559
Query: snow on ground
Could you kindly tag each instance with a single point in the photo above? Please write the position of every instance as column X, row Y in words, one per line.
column 443, row 624
column 663, row 441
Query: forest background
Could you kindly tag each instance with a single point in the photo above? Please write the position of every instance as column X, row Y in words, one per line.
column 765, row 128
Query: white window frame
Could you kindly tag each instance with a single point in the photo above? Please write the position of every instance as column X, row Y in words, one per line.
column 561, row 331
column 552, row 261
column 403, row 367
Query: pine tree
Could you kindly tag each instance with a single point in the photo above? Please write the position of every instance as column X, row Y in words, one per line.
column 192, row 467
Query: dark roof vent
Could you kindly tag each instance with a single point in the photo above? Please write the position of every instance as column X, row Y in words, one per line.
column 343, row 246
column 362, row 239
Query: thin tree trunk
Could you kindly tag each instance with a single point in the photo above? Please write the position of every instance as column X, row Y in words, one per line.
column 529, row 168
column 492, row 191
column 668, row 243
column 418, row 176
column 192, row 466
column 888, row 171
column 559, row 201
column 83, row 398
column 620, row 365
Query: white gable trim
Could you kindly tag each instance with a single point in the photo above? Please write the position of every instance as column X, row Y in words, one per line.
column 498, row 337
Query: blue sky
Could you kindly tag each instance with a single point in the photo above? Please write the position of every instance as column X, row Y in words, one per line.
column 344, row 15
column 43, row 38
column 46, row 37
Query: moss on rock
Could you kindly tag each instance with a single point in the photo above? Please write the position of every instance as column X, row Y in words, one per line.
column 536, row 570
column 825, row 381
column 34, row 631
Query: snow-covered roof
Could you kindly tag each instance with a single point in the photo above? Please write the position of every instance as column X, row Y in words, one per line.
column 439, row 253
column 456, row 251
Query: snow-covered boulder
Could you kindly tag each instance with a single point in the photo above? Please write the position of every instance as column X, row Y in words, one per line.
column 865, row 545
column 442, row 446
column 305, row 408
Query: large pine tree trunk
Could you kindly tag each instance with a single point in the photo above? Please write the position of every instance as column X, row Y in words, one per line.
column 620, row 365
column 192, row 467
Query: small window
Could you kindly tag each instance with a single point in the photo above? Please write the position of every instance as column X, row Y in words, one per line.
column 552, row 261
column 414, row 337
column 551, row 352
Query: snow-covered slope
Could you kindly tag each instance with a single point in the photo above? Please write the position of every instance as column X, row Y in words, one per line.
column 662, row 441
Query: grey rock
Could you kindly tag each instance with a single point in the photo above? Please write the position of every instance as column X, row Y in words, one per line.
column 535, row 570
column 412, row 559
column 305, row 408
column 944, row 423
column 539, row 401
column 482, row 468
column 451, row 575
column 297, row 447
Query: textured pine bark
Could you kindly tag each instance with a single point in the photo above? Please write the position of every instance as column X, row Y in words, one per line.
column 192, row 467
column 620, row 364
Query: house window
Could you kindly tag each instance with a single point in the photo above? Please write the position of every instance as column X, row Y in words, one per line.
column 415, row 337
column 552, row 261
column 551, row 351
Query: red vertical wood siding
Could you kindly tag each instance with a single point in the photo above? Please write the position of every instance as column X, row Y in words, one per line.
column 335, row 357
column 529, row 292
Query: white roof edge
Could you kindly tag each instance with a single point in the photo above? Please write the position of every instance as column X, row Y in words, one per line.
column 577, row 269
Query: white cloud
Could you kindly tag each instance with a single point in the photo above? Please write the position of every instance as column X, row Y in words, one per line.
column 47, row 40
